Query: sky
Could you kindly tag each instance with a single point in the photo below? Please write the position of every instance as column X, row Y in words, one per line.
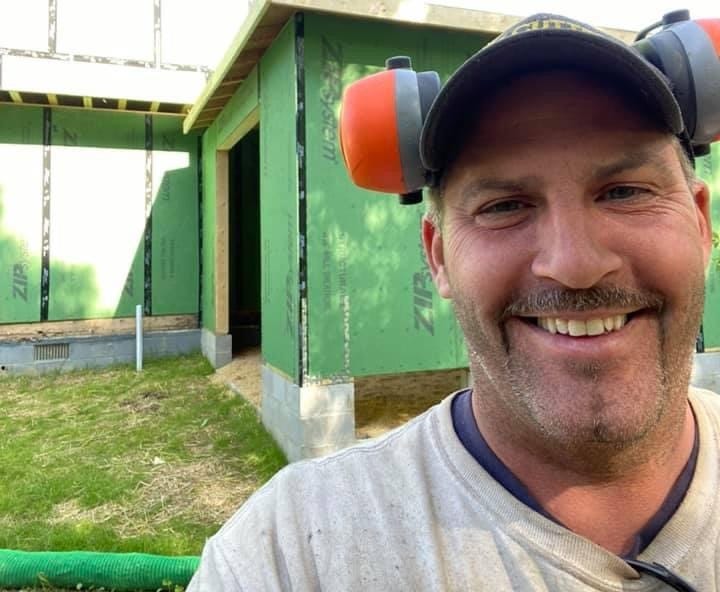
column 627, row 14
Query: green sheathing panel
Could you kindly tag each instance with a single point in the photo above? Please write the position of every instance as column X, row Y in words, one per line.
column 372, row 307
column 709, row 169
column 174, row 219
column 242, row 103
column 209, row 220
column 21, row 191
column 97, row 214
column 279, row 206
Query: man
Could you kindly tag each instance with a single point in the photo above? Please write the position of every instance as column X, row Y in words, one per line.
column 570, row 232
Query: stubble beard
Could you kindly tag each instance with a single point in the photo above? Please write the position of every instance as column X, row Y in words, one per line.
column 513, row 387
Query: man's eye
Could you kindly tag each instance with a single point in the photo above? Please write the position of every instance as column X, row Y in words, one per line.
column 621, row 192
column 503, row 207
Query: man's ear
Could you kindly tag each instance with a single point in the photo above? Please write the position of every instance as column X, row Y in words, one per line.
column 435, row 255
column 704, row 218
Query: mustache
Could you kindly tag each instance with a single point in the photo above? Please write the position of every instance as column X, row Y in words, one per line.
column 554, row 300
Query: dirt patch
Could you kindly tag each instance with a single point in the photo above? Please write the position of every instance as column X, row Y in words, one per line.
column 385, row 402
column 145, row 402
column 243, row 375
column 382, row 403
column 198, row 492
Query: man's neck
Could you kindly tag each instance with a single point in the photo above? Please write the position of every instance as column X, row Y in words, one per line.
column 609, row 508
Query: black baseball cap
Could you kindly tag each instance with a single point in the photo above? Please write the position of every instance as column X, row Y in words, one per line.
column 541, row 42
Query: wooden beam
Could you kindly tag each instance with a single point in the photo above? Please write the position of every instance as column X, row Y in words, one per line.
column 94, row 327
column 222, row 239
column 239, row 132
column 232, row 83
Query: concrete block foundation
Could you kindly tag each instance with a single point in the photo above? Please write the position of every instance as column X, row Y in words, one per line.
column 706, row 371
column 307, row 421
column 217, row 348
column 75, row 353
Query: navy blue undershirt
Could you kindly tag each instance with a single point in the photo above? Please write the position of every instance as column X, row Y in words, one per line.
column 471, row 438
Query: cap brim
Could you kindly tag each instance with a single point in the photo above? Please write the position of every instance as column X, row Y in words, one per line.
column 540, row 50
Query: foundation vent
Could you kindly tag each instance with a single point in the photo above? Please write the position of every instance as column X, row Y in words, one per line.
column 51, row 351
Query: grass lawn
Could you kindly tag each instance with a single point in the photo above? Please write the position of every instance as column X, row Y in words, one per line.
column 113, row 460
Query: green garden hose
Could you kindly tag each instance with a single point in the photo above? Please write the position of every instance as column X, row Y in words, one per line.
column 85, row 570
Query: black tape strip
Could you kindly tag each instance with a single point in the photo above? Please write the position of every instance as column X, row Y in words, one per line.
column 148, row 215
column 45, row 252
column 302, row 193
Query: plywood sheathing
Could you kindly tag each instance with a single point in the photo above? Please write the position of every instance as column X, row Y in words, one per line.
column 35, row 331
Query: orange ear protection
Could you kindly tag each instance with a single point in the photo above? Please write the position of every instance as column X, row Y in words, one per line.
column 383, row 114
column 380, row 124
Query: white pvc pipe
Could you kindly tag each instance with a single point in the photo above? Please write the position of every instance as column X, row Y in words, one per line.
column 139, row 337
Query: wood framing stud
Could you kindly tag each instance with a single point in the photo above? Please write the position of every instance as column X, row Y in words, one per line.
column 222, row 236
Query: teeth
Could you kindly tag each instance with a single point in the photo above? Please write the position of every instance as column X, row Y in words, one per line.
column 577, row 328
column 595, row 326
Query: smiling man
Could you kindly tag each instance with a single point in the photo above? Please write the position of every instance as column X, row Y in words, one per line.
column 572, row 236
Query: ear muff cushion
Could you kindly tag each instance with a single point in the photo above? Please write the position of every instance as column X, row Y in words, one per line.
column 409, row 125
column 369, row 134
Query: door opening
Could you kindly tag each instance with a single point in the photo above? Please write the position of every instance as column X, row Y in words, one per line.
column 244, row 242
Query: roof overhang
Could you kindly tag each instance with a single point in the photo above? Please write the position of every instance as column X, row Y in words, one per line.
column 266, row 18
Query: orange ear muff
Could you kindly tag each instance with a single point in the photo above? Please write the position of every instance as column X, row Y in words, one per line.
column 712, row 28
column 380, row 123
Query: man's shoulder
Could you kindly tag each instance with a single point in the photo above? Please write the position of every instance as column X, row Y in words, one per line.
column 705, row 397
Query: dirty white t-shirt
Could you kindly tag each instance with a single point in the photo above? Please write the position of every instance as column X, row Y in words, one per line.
column 414, row 511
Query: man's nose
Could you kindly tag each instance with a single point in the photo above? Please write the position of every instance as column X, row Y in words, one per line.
column 573, row 248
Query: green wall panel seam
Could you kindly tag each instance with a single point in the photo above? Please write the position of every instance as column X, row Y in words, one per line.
column 201, row 190
column 45, row 256
column 302, row 195
column 147, row 255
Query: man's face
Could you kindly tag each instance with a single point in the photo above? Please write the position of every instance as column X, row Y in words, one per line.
column 574, row 252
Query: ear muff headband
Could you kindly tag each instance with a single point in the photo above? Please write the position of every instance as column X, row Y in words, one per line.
column 712, row 29
column 688, row 53
column 704, row 67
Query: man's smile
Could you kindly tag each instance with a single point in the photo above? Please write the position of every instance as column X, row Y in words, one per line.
column 582, row 327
